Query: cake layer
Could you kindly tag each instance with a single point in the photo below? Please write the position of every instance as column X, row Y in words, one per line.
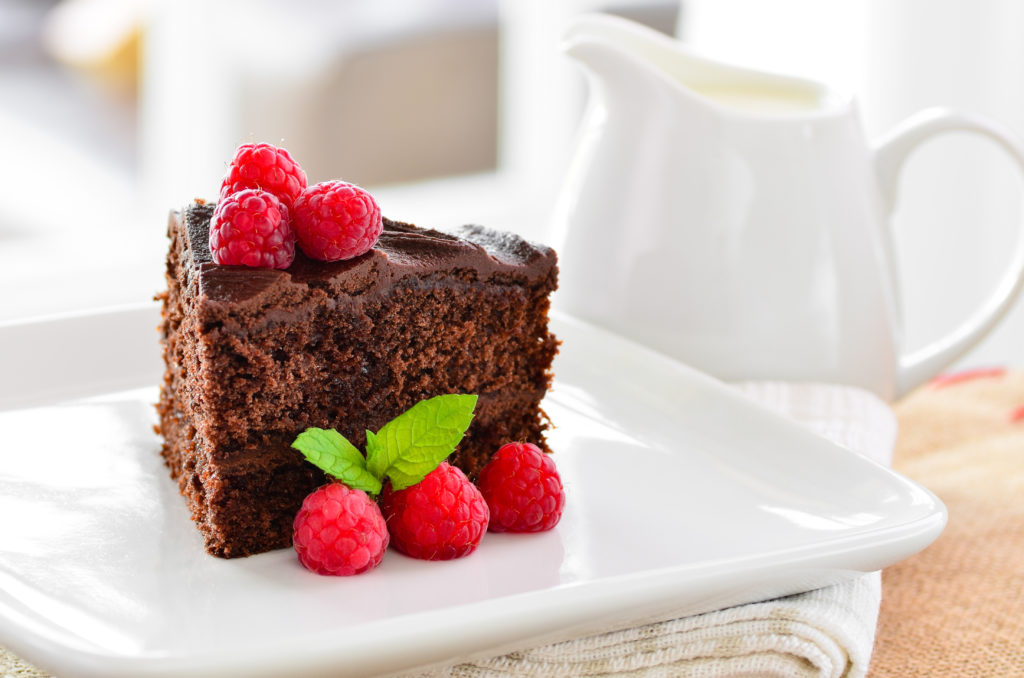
column 254, row 356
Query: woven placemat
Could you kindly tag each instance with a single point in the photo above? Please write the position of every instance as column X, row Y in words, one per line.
column 957, row 608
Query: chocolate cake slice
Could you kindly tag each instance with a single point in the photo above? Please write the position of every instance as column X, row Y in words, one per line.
column 254, row 356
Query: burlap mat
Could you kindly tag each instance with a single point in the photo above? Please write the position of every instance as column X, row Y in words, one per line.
column 957, row 608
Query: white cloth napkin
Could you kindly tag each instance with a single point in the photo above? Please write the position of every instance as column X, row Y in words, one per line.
column 827, row 633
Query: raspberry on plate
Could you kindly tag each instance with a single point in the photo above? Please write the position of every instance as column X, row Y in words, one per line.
column 444, row 516
column 251, row 228
column 339, row 531
column 522, row 488
column 336, row 220
column 267, row 167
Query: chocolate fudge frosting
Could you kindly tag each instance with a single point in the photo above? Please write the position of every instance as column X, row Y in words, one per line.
column 403, row 250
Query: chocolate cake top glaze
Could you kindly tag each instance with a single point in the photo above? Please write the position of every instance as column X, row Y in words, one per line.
column 403, row 250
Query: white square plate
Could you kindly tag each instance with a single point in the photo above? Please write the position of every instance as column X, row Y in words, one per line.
column 682, row 497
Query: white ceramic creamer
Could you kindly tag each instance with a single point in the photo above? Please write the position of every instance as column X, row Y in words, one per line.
column 738, row 220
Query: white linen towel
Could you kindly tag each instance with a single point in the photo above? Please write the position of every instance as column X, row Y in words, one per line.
column 827, row 633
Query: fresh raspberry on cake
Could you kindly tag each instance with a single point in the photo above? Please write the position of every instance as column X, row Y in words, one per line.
column 267, row 167
column 336, row 220
column 523, row 489
column 339, row 531
column 444, row 516
column 251, row 228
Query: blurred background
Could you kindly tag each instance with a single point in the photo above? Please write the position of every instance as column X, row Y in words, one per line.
column 114, row 111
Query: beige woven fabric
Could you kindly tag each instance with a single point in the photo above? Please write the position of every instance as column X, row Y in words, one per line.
column 13, row 667
column 957, row 608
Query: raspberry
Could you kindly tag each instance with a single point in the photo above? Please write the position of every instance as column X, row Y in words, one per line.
column 250, row 228
column 339, row 531
column 335, row 220
column 523, row 489
column 267, row 167
column 442, row 517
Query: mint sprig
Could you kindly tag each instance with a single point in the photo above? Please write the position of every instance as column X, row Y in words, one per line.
column 404, row 450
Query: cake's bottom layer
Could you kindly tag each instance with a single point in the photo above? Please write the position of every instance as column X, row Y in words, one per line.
column 248, row 506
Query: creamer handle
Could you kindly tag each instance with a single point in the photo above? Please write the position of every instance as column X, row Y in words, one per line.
column 921, row 365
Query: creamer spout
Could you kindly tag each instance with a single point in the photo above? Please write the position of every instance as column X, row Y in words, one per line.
column 605, row 44
column 611, row 48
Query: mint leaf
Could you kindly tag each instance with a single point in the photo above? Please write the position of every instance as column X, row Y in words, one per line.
column 415, row 442
column 330, row 451
column 376, row 456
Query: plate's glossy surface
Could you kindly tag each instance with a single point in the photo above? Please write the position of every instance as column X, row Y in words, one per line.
column 682, row 497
